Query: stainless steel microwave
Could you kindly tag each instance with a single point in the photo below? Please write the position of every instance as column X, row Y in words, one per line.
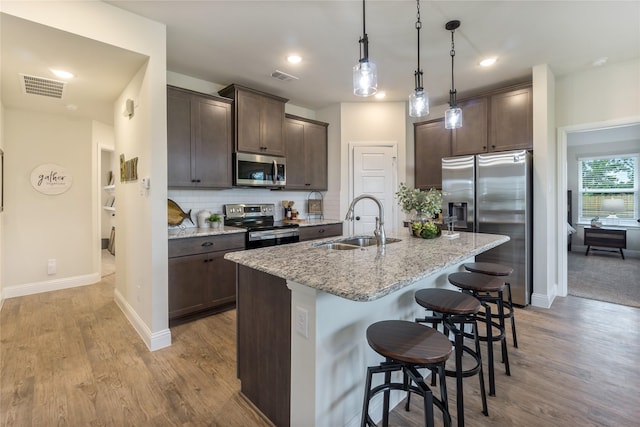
column 257, row 170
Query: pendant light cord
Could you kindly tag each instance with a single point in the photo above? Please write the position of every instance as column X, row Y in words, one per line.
column 364, row 41
column 418, row 73
column 452, row 93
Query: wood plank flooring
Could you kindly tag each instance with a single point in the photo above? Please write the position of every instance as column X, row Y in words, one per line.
column 70, row 358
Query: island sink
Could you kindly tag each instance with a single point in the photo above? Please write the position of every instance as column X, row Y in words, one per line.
column 352, row 243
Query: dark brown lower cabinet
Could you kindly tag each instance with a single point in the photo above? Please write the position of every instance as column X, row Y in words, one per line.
column 201, row 281
column 264, row 343
column 320, row 231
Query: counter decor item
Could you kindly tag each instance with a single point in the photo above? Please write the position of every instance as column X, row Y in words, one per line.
column 175, row 215
column 595, row 222
column 215, row 220
column 203, row 218
column 423, row 206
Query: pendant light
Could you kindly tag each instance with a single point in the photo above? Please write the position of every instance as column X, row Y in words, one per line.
column 419, row 99
column 453, row 116
column 365, row 74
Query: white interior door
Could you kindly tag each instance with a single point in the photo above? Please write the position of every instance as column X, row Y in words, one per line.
column 374, row 172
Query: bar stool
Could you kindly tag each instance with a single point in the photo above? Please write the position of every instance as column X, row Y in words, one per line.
column 489, row 290
column 454, row 310
column 492, row 269
column 406, row 345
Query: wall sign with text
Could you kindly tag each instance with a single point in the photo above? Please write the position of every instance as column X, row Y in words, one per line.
column 51, row 179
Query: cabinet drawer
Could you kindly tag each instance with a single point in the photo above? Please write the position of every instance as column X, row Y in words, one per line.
column 320, row 231
column 201, row 245
column 606, row 238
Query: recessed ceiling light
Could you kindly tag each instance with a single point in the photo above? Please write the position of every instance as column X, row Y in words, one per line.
column 294, row 59
column 72, row 107
column 487, row 62
column 380, row 95
column 63, row 74
column 600, row 62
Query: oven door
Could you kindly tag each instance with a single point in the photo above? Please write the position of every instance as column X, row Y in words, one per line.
column 264, row 238
column 255, row 170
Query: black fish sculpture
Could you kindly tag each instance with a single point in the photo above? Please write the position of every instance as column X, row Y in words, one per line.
column 176, row 215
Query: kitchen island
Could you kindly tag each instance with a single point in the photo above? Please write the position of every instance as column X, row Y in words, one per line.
column 303, row 311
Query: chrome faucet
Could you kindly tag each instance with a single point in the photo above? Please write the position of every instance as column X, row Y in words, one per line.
column 381, row 237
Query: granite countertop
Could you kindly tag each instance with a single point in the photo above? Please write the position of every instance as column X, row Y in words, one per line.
column 365, row 274
column 182, row 233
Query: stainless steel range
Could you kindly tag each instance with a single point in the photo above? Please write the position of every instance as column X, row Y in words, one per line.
column 262, row 228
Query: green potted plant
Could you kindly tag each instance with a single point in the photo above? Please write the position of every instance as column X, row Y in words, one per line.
column 215, row 220
column 424, row 206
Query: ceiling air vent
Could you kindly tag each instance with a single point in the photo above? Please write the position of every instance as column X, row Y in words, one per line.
column 40, row 86
column 281, row 75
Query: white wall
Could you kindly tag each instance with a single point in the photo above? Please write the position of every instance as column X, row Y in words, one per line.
column 371, row 122
column 142, row 285
column 598, row 95
column 40, row 227
column 545, row 207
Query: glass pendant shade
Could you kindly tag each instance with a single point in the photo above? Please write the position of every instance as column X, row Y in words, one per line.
column 453, row 118
column 365, row 78
column 418, row 103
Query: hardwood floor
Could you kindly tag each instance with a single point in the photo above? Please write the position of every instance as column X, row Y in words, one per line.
column 70, row 358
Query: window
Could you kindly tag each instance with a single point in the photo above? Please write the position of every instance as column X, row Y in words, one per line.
column 609, row 189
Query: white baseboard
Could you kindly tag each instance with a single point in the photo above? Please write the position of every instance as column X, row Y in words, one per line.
column 542, row 300
column 49, row 285
column 154, row 341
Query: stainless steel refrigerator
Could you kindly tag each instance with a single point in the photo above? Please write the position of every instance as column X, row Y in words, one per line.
column 492, row 193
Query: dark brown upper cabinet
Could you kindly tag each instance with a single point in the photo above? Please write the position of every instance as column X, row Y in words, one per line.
column 432, row 144
column 259, row 120
column 306, row 151
column 199, row 140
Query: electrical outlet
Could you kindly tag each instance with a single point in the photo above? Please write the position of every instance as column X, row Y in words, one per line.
column 51, row 267
column 302, row 322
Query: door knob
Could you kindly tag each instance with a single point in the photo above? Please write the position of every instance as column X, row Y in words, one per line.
column 357, row 218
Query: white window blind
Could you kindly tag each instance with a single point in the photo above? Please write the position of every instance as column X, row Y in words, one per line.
column 608, row 177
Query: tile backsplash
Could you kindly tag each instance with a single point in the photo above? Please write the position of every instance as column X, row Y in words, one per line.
column 213, row 200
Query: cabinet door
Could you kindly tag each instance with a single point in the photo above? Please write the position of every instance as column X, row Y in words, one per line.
column 179, row 148
column 296, row 167
column 432, row 142
column 471, row 138
column 512, row 120
column 315, row 139
column 188, row 276
column 248, row 127
column 222, row 284
column 320, row 231
column 272, row 126
column 212, row 142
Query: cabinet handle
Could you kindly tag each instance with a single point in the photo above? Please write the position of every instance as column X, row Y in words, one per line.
column 493, row 146
column 207, row 244
column 321, row 230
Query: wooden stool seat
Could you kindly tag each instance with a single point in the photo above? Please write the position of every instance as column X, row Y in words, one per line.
column 476, row 282
column 447, row 301
column 454, row 311
column 407, row 346
column 408, row 342
column 489, row 268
